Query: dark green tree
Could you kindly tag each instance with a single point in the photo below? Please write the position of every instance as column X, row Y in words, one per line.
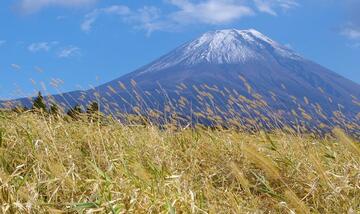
column 54, row 109
column 93, row 112
column 75, row 112
column 93, row 108
column 39, row 103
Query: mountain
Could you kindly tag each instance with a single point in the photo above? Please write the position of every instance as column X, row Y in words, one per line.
column 219, row 71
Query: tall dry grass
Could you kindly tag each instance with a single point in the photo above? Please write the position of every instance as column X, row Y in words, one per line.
column 51, row 165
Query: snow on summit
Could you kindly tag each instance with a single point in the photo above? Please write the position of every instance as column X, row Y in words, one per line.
column 228, row 46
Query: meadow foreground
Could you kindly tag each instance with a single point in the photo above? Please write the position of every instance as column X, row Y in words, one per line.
column 50, row 165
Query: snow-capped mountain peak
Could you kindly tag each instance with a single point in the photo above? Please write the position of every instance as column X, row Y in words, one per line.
column 229, row 46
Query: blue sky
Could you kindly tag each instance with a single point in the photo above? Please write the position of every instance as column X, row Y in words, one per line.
column 75, row 44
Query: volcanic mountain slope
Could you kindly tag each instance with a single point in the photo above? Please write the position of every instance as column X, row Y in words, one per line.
column 244, row 63
column 223, row 68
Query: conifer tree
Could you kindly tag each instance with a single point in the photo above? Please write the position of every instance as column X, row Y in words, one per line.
column 54, row 109
column 75, row 112
column 38, row 103
column 92, row 108
column 93, row 111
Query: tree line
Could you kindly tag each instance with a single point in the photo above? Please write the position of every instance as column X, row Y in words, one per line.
column 75, row 112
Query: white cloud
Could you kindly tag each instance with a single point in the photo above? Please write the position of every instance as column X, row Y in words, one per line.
column 209, row 12
column 60, row 18
column 286, row 4
column 271, row 6
column 186, row 12
column 15, row 66
column 265, row 7
column 353, row 45
column 61, row 52
column 351, row 33
column 90, row 18
column 41, row 46
column 31, row 6
column 70, row 51
column 2, row 42
column 149, row 19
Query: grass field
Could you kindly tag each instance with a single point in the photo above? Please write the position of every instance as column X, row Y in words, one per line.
column 50, row 165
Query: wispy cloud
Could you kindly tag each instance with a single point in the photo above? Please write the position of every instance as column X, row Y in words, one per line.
column 209, row 12
column 351, row 32
column 271, row 6
column 354, row 45
column 41, row 46
column 69, row 51
column 353, row 8
column 184, row 12
column 150, row 19
column 187, row 12
column 2, row 42
column 265, row 7
column 54, row 47
column 16, row 66
column 90, row 18
column 31, row 6
column 60, row 18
